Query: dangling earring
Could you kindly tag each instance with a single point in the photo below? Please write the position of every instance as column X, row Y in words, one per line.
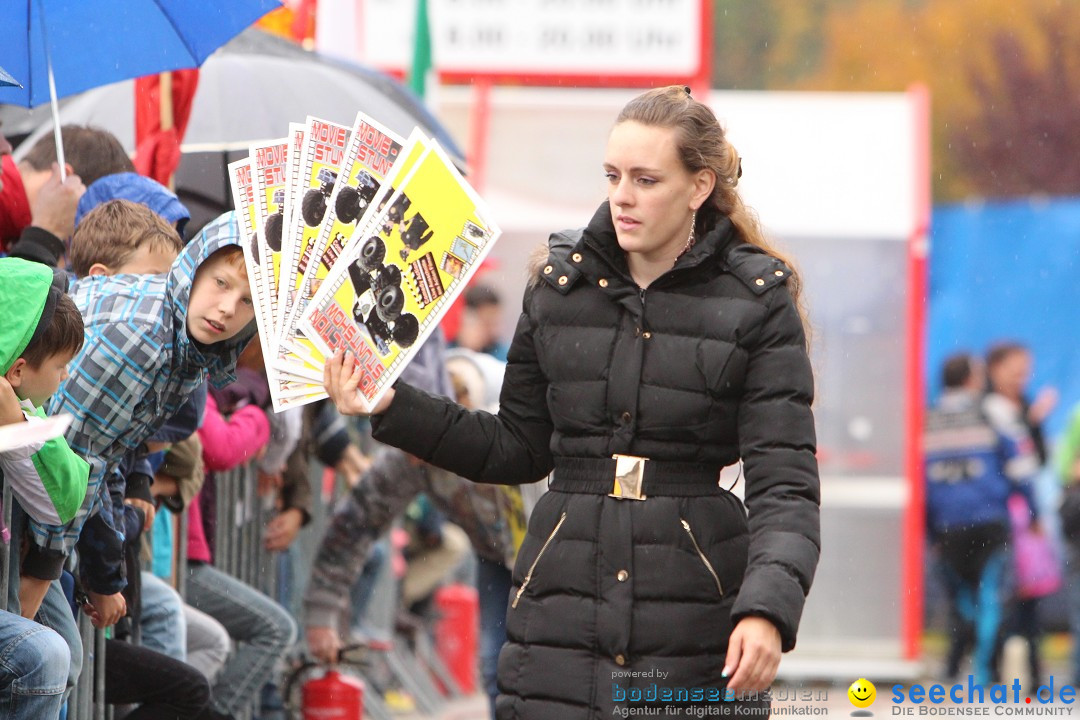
column 690, row 240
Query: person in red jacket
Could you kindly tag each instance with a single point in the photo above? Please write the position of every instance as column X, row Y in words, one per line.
column 37, row 207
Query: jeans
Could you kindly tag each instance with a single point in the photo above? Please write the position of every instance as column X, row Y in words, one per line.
column 493, row 582
column 208, row 643
column 55, row 613
column 262, row 629
column 164, row 628
column 33, row 669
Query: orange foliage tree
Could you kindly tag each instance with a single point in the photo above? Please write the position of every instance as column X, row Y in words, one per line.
column 1004, row 79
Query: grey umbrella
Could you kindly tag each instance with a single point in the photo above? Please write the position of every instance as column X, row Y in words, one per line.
column 248, row 90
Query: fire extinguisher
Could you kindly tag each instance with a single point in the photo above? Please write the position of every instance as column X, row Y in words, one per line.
column 332, row 696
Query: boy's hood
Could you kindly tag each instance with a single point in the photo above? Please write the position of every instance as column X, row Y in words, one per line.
column 28, row 297
column 220, row 358
column 136, row 188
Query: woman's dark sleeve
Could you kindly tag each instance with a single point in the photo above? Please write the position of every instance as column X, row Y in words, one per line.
column 778, row 445
column 509, row 448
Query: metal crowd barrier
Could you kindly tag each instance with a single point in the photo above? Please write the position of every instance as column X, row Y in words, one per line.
column 241, row 516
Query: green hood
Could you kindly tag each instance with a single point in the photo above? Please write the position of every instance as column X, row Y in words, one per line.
column 24, row 292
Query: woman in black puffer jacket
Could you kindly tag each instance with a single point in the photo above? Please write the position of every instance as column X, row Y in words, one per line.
column 666, row 334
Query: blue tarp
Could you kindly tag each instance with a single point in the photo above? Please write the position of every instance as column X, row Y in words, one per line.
column 1007, row 270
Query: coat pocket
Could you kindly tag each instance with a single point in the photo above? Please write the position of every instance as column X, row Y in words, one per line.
column 532, row 567
column 701, row 554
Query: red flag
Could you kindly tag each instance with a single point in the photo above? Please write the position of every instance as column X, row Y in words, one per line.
column 303, row 24
column 157, row 149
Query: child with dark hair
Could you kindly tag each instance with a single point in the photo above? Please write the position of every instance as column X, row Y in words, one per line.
column 43, row 332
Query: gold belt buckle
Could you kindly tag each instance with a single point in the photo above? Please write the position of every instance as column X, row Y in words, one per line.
column 629, row 477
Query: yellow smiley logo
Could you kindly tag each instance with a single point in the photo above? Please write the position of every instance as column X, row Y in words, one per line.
column 862, row 693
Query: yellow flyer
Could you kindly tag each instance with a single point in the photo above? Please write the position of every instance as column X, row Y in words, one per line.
column 414, row 149
column 297, row 138
column 401, row 273
column 320, row 159
column 270, row 163
column 243, row 194
column 243, row 198
column 368, row 158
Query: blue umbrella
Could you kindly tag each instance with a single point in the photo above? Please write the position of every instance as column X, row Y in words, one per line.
column 96, row 42
column 61, row 47
column 6, row 79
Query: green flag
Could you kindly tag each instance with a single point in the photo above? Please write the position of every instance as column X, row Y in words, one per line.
column 421, row 60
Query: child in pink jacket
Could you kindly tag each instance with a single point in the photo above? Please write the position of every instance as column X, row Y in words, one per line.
column 262, row 628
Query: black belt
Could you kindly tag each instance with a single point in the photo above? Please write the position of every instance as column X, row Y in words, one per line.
column 633, row 478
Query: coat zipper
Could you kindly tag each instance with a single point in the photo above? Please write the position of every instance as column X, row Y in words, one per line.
column 543, row 548
column 708, row 565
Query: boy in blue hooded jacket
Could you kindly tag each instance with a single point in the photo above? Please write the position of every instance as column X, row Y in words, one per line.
column 150, row 342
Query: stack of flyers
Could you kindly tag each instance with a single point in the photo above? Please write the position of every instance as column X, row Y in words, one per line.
column 357, row 239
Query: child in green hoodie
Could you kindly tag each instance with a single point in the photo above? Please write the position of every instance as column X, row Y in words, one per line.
column 43, row 330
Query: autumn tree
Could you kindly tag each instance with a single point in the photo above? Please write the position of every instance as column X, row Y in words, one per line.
column 1023, row 138
column 1003, row 81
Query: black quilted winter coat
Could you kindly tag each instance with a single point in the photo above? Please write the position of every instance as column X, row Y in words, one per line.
column 704, row 367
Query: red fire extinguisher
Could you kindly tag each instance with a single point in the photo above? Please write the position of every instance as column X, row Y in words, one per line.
column 456, row 632
column 333, row 697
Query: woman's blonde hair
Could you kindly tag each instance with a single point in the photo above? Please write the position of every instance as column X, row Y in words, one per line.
column 702, row 145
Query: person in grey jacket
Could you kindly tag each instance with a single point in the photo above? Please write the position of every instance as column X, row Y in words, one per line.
column 382, row 494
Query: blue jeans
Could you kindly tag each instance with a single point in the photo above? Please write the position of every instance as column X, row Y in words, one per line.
column 55, row 611
column 33, row 669
column 493, row 582
column 263, row 630
column 162, row 619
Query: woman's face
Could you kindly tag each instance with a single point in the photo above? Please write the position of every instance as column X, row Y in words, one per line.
column 1011, row 375
column 651, row 193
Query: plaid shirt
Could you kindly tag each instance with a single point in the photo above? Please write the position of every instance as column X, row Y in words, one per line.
column 136, row 368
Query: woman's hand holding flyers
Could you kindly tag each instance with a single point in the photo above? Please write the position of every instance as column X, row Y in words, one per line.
column 753, row 655
column 341, row 376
